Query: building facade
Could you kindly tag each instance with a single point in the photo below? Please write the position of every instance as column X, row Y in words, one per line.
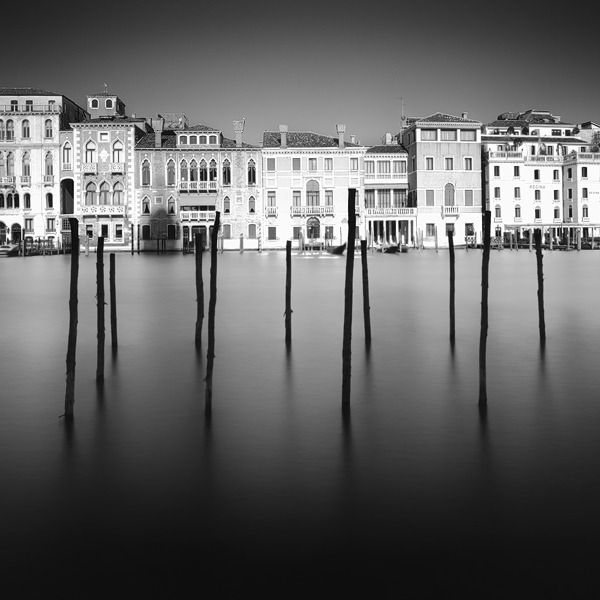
column 32, row 123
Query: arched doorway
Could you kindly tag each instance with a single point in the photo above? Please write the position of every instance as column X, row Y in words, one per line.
column 67, row 195
column 3, row 232
column 313, row 228
column 15, row 234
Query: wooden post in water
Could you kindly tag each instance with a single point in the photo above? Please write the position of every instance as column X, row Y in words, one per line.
column 530, row 239
column 212, row 303
column 485, row 262
column 540, row 293
column 365, row 281
column 132, row 239
column 241, row 243
column 450, row 232
column 72, row 340
column 113, row 303
column 436, row 239
column 288, row 293
column 100, row 307
column 199, row 291
column 347, row 341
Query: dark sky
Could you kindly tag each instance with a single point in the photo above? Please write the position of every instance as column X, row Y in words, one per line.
column 310, row 64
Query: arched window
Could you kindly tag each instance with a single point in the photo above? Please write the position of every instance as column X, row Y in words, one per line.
column 2, row 165
column 118, row 194
column 109, row 104
column 226, row 205
column 117, row 153
column 183, row 139
column 171, row 205
column 212, row 170
column 193, row 140
column 584, row 212
column 9, row 200
column 145, row 206
column 170, row 173
column 1, row 200
column 90, row 194
column 25, row 129
column 203, row 171
column 498, row 211
column 213, row 139
column 570, row 211
column 202, row 139
column 312, row 193
column 104, row 193
column 48, row 133
column 10, row 164
column 2, row 131
column 90, row 152
column 94, row 103
column 16, row 199
column 10, row 130
column 251, row 205
column 537, row 212
column 183, row 170
column 145, row 173
column 27, row 198
column 193, row 171
column 517, row 212
column 251, row 172
column 49, row 168
column 66, row 153
column 26, row 165
column 226, row 172
column 49, row 201
column 449, row 195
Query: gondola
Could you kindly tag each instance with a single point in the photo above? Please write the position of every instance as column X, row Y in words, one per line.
column 337, row 249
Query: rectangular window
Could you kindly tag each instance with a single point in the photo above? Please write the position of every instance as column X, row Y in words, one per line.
column 28, row 224
column 104, row 229
column 312, row 164
column 569, row 173
column 329, row 164
column 429, row 198
column 329, row 232
column 271, row 199
column 497, row 192
column 570, row 194
column 272, row 233
column 556, row 195
column 227, row 231
column 429, row 163
column 468, row 197
column 468, row 163
column 399, row 198
column 384, row 199
column 296, row 233
column 556, row 175
column 369, row 198
column 517, row 192
column 428, row 135
column 369, row 167
column 252, row 231
column 104, row 136
column 50, row 225
column 584, row 172
column 430, row 229
column 383, row 167
column 448, row 135
column 468, row 135
column 449, row 162
column 270, row 164
column 517, row 171
column 297, row 197
column 399, row 167
column 119, row 232
column 296, row 164
column 536, row 174
column 329, row 197
column 354, row 164
column 584, row 193
column 537, row 194
column 496, row 171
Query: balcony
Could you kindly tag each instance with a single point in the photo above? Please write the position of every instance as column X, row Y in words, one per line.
column 390, row 211
column 535, row 221
column 557, row 220
column 48, row 179
column 545, row 158
column 506, row 156
column 309, row 211
column 387, row 177
column 450, row 211
column 271, row 211
column 198, row 187
column 30, row 109
column 67, row 167
column 116, row 167
column 90, row 168
column 103, row 209
column 10, row 180
column 25, row 180
column 197, row 215
column 497, row 219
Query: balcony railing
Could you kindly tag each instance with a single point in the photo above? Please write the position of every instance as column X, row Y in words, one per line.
column 103, row 209
column 90, row 168
column 408, row 212
column 7, row 180
column 48, row 179
column 197, row 215
column 25, row 180
column 309, row 211
column 67, row 167
column 386, row 176
column 116, row 167
column 506, row 155
column 198, row 186
column 30, row 108
column 450, row 211
column 271, row 211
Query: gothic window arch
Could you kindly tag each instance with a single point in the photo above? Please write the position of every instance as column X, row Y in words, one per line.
column 118, row 194
column 251, row 205
column 145, row 172
column 49, row 164
column 25, row 129
column 203, row 171
column 104, row 193
column 26, row 165
column 48, row 129
column 90, row 194
column 66, row 153
column 117, row 152
column 90, row 152
column 193, row 171
column 226, row 172
column 251, row 172
column 2, row 131
column 226, row 205
column 171, row 172
column 183, row 170
column 145, row 205
column 212, row 170
column 10, row 130
column 171, row 205
column 10, row 164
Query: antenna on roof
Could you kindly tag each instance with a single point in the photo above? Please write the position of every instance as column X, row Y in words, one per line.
column 105, row 88
column 402, row 117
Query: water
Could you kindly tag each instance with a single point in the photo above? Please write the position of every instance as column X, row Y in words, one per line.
column 277, row 491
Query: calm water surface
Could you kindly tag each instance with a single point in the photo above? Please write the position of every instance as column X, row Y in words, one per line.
column 278, row 491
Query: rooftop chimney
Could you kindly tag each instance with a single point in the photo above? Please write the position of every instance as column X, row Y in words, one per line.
column 341, row 129
column 238, row 127
column 283, row 131
column 353, row 139
column 158, row 126
column 464, row 115
column 388, row 138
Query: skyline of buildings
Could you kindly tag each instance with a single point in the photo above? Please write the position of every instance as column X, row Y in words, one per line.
column 133, row 177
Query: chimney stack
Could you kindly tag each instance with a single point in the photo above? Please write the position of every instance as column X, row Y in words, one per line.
column 341, row 129
column 388, row 138
column 464, row 115
column 238, row 127
column 353, row 139
column 283, row 131
column 158, row 126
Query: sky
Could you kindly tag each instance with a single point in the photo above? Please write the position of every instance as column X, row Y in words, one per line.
column 309, row 64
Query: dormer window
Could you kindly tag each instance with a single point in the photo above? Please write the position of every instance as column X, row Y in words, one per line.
column 213, row 139
column 108, row 103
column 183, row 140
column 94, row 103
column 193, row 140
column 202, row 139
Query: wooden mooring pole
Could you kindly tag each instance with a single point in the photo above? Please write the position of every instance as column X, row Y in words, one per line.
column 210, row 356
column 288, row 293
column 72, row 339
column 113, row 303
column 347, row 340
column 485, row 263
column 540, row 293
column 100, row 308
column 450, row 232
column 365, row 281
column 199, row 291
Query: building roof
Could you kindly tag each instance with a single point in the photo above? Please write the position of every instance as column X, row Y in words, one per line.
column 112, row 119
column 440, row 117
column 387, row 149
column 508, row 123
column 533, row 138
column 199, row 128
column 169, row 140
column 25, row 91
column 303, row 139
